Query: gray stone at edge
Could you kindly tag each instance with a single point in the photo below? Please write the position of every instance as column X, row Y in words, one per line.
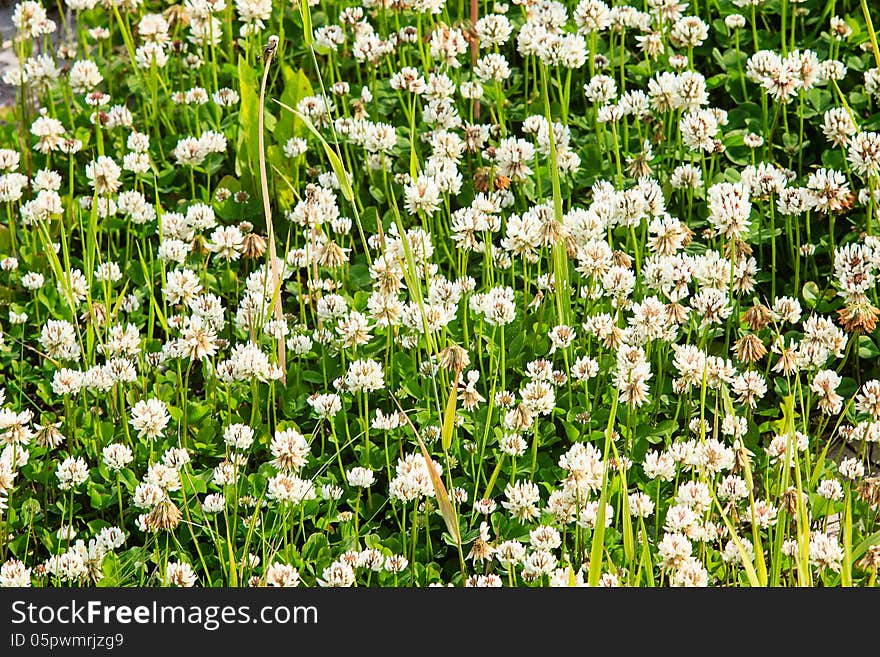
column 8, row 59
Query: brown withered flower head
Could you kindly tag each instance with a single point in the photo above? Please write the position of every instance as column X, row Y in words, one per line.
column 164, row 515
column 551, row 231
column 502, row 182
column 676, row 313
column 521, row 418
column 199, row 244
column 176, row 15
column 743, row 456
column 481, row 551
column 749, row 349
column 790, row 500
column 483, row 179
column 858, row 315
column 621, row 259
column 49, row 435
column 638, row 165
column 687, row 234
column 96, row 314
column 454, row 358
column 571, row 245
column 871, row 560
column 486, row 180
column 254, row 246
column 738, row 247
column 359, row 110
column 757, row 317
column 331, row 255
column 869, row 491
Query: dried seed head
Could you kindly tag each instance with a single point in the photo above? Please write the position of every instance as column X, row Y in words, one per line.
column 551, row 232
column 199, row 244
column 871, row 560
column 731, row 511
column 675, row 313
column 359, row 109
column 95, row 315
column 483, row 179
column 519, row 419
column 49, row 436
column 254, row 246
column 177, row 15
column 687, row 234
column 164, row 515
column 743, row 457
column 790, row 500
column 738, row 247
column 621, row 259
column 757, row 317
column 331, row 255
column 571, row 245
column 749, row 349
column 859, row 315
column 869, row 491
column 454, row 358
